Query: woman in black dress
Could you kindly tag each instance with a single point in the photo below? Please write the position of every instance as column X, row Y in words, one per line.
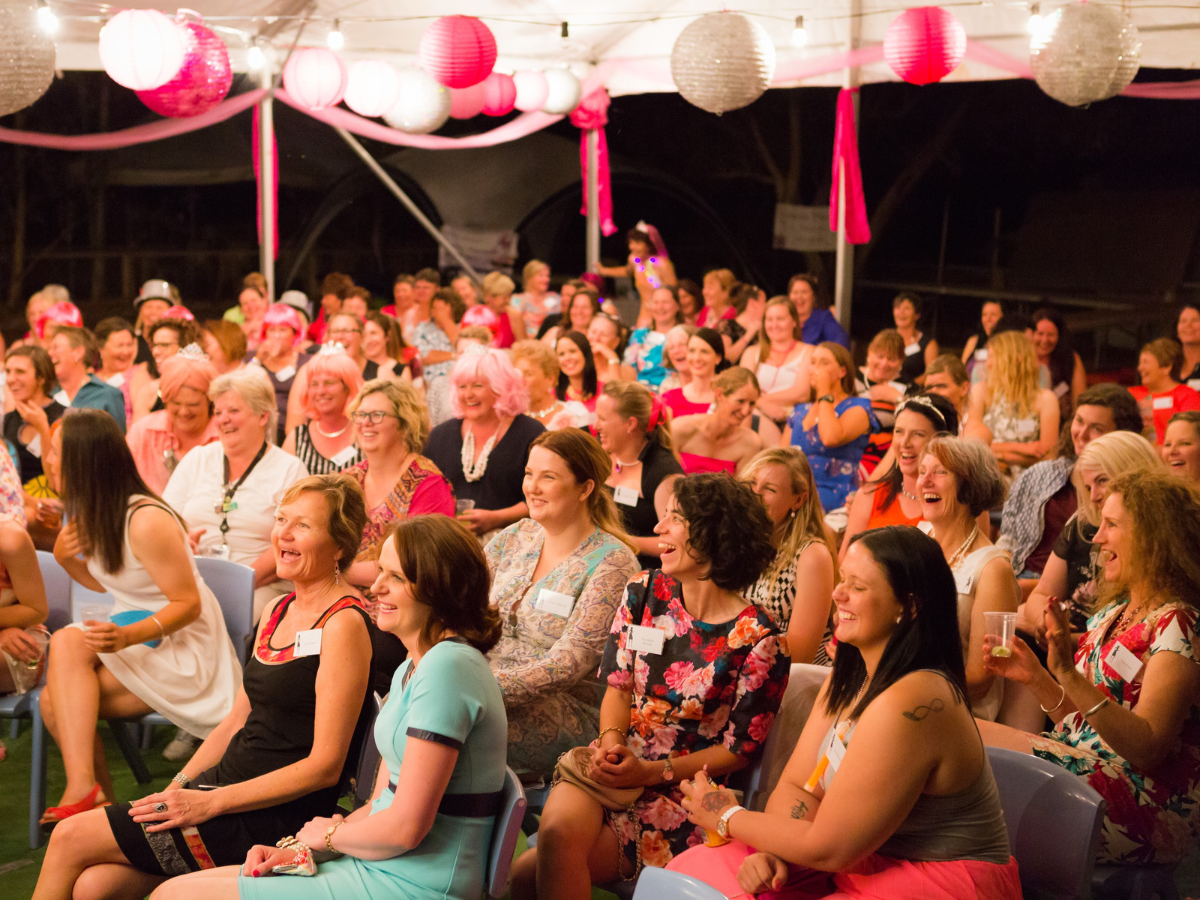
column 30, row 381
column 281, row 756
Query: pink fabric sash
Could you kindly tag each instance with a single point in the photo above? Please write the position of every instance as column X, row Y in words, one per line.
column 592, row 115
column 845, row 162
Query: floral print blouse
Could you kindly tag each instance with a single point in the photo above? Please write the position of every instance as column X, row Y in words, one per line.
column 540, row 652
column 1151, row 816
column 712, row 685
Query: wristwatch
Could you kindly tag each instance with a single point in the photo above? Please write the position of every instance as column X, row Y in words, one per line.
column 828, row 398
column 668, row 772
column 723, row 822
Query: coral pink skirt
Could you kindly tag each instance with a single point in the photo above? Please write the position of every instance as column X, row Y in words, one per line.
column 875, row 878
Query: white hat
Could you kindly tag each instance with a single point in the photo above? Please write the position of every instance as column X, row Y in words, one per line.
column 154, row 289
column 297, row 300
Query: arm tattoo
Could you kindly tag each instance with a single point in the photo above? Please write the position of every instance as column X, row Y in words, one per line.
column 922, row 711
column 716, row 801
column 800, row 810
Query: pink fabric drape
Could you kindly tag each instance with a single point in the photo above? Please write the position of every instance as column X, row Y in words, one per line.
column 256, row 138
column 592, row 115
column 845, row 163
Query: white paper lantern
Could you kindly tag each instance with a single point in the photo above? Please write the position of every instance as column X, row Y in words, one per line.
column 564, row 94
column 532, row 90
column 142, row 49
column 26, row 56
column 372, row 87
column 315, row 77
column 722, row 61
column 423, row 105
column 1084, row 52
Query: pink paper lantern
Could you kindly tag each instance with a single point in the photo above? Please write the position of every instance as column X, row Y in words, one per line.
column 201, row 84
column 500, row 94
column 467, row 103
column 142, row 49
column 372, row 87
column 533, row 90
column 924, row 44
column 458, row 51
column 315, row 77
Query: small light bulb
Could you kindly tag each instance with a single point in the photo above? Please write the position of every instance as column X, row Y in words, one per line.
column 47, row 20
column 1035, row 18
column 255, row 58
column 799, row 34
column 335, row 39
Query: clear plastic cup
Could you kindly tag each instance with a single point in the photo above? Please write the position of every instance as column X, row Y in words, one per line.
column 25, row 674
column 94, row 612
column 462, row 506
column 1001, row 627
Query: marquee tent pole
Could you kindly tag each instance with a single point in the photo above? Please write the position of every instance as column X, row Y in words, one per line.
column 593, row 199
column 266, row 186
column 843, row 290
column 391, row 185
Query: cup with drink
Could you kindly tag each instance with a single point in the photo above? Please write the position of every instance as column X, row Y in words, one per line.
column 94, row 612
column 26, row 673
column 463, row 506
column 1000, row 628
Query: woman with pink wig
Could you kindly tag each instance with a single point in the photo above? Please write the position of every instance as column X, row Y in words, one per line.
column 482, row 451
column 161, row 439
column 63, row 313
column 325, row 443
column 278, row 353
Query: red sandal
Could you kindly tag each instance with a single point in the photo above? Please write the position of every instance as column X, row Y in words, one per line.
column 56, row 814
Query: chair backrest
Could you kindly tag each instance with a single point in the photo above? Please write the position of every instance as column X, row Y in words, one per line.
column 233, row 585
column 1053, row 819
column 58, row 590
column 504, row 836
column 368, row 761
column 660, row 884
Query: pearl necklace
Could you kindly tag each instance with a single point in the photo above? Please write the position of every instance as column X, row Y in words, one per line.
column 473, row 470
column 961, row 552
column 335, row 434
column 538, row 413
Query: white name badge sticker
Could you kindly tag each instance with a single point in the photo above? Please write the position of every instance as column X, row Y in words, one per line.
column 35, row 446
column 912, row 349
column 308, row 643
column 554, row 603
column 1194, row 384
column 626, row 496
column 345, row 457
column 285, row 373
column 835, row 754
column 646, row 640
column 1122, row 661
column 1164, row 402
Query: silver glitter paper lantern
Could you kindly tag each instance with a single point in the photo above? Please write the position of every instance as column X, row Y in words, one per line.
column 1084, row 52
column 722, row 61
column 26, row 56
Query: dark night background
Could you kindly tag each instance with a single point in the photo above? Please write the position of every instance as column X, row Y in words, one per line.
column 971, row 187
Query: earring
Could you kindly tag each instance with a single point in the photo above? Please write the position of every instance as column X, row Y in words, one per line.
column 337, row 574
column 899, row 618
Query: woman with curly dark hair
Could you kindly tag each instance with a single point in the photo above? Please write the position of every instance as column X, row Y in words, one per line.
column 694, row 678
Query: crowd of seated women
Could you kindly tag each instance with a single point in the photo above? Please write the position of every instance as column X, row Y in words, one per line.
column 597, row 569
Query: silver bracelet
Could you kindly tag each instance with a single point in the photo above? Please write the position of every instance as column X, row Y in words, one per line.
column 1095, row 709
column 182, row 780
column 1058, row 704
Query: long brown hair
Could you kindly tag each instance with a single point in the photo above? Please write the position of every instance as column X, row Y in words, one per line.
column 98, row 478
column 588, row 461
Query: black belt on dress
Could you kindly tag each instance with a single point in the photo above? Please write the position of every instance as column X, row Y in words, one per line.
column 467, row 806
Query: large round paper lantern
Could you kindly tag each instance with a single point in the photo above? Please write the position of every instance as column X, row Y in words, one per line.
column 533, row 90
column 924, row 44
column 565, row 92
column 458, row 51
column 142, row 49
column 372, row 87
column 467, row 103
column 423, row 105
column 722, row 61
column 202, row 82
column 500, row 94
column 26, row 56
column 1084, row 52
column 315, row 77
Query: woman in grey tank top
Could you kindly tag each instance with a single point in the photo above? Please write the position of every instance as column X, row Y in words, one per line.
column 889, row 791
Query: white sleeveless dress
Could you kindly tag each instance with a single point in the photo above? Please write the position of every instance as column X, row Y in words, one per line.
column 193, row 676
column 966, row 579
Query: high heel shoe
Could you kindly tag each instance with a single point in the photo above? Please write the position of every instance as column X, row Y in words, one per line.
column 56, row 814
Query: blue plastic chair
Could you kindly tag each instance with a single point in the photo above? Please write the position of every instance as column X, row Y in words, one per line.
column 368, row 762
column 504, row 836
column 1054, row 820
column 18, row 706
column 659, row 884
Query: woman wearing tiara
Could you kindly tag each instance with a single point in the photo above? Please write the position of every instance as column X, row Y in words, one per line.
column 648, row 266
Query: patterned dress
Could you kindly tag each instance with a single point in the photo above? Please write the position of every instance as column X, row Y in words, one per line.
column 1151, row 817
column 427, row 338
column 545, row 661
column 712, row 685
column 645, row 355
column 775, row 594
column 835, row 469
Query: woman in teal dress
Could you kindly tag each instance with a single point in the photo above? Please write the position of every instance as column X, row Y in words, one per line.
column 442, row 735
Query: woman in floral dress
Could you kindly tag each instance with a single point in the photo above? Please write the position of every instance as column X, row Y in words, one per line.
column 1125, row 705
column 694, row 675
column 557, row 579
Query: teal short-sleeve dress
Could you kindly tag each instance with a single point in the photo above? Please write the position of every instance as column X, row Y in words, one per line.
column 451, row 698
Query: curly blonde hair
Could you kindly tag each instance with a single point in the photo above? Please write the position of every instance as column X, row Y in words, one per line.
column 1013, row 372
column 407, row 406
